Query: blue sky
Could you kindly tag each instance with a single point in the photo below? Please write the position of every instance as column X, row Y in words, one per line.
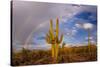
column 31, row 23
column 72, row 34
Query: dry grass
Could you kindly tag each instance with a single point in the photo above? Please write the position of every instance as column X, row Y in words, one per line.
column 68, row 55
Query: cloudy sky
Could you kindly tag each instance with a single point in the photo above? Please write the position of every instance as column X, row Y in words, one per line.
column 31, row 23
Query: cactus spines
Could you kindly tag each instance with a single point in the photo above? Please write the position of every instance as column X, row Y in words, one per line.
column 53, row 39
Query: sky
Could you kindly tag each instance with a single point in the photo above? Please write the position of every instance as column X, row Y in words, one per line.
column 31, row 23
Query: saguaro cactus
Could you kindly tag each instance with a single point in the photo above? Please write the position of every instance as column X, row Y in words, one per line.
column 88, row 27
column 89, row 43
column 63, row 45
column 52, row 37
column 62, row 51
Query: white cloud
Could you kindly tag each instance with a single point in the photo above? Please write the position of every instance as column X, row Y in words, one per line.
column 78, row 25
column 71, row 32
column 84, row 25
column 87, row 26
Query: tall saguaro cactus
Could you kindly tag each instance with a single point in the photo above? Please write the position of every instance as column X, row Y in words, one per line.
column 52, row 37
column 89, row 43
column 88, row 27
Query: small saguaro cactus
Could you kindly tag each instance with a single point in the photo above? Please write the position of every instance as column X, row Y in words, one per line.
column 52, row 37
column 89, row 43
column 88, row 27
column 62, row 51
column 63, row 45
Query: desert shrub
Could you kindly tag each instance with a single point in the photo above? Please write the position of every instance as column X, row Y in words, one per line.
column 70, row 54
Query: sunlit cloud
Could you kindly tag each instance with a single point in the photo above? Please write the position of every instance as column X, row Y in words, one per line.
column 87, row 26
column 84, row 25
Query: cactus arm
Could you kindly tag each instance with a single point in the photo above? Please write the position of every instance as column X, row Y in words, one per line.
column 51, row 29
column 61, row 38
column 53, row 38
column 63, row 45
column 57, row 27
column 47, row 38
